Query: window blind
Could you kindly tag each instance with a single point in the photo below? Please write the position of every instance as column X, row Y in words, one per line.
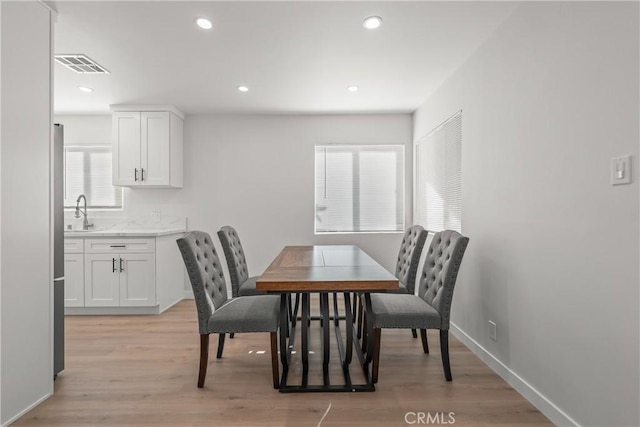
column 359, row 188
column 438, row 186
column 87, row 170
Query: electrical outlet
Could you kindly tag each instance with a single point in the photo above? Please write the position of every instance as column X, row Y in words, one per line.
column 492, row 330
column 156, row 213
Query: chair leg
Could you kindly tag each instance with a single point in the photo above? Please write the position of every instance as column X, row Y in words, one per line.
column 220, row 346
column 376, row 357
column 444, row 350
column 204, row 358
column 274, row 360
column 425, row 343
column 414, row 333
column 231, row 335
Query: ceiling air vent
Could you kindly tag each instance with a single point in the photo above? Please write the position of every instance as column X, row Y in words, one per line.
column 81, row 64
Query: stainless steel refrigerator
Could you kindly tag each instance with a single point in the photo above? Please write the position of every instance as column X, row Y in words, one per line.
column 58, row 249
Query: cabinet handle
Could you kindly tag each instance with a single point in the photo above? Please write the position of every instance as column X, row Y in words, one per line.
column 118, row 246
column 121, row 267
column 135, row 174
column 142, row 174
column 113, row 265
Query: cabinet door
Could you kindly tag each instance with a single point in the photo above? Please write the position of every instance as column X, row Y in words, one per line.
column 137, row 280
column 73, row 280
column 156, row 148
column 126, row 149
column 101, row 286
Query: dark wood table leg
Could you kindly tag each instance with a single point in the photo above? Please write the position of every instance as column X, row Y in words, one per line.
column 336, row 317
column 368, row 327
column 283, row 333
column 355, row 304
column 295, row 310
column 326, row 325
column 305, row 338
column 360, row 316
column 349, row 328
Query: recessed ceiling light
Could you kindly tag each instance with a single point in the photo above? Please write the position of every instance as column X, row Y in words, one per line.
column 243, row 88
column 204, row 23
column 372, row 22
column 353, row 88
column 85, row 89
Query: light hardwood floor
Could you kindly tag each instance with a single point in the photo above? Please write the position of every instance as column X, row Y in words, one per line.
column 142, row 370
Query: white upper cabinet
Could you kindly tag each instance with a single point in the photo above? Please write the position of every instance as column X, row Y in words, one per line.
column 147, row 146
column 156, row 148
column 126, row 149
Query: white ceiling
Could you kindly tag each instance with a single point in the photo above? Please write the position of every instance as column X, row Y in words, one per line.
column 296, row 57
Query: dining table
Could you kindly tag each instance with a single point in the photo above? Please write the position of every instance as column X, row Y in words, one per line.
column 325, row 270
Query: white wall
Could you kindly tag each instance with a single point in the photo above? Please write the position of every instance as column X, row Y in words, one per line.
column 256, row 173
column 26, row 369
column 85, row 129
column 554, row 250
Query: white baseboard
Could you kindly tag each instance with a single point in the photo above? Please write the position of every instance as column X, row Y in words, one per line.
column 27, row 409
column 188, row 295
column 109, row 311
column 537, row 399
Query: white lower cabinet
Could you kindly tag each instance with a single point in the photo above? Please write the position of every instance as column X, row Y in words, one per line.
column 137, row 280
column 115, row 275
column 101, row 284
column 74, row 280
column 119, row 280
column 123, row 273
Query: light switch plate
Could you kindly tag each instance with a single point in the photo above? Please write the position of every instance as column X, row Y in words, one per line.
column 621, row 170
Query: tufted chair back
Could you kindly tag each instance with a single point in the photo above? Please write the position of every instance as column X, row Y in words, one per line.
column 440, row 271
column 205, row 273
column 236, row 261
column 409, row 256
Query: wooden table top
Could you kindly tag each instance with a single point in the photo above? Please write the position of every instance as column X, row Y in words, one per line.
column 341, row 268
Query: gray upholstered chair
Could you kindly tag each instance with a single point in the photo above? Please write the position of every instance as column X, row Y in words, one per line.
column 406, row 267
column 429, row 309
column 241, row 283
column 216, row 313
column 409, row 258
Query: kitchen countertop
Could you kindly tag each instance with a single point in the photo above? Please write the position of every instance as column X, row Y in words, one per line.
column 122, row 233
column 150, row 226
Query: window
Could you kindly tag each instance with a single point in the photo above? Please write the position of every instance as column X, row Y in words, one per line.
column 87, row 170
column 438, row 197
column 359, row 188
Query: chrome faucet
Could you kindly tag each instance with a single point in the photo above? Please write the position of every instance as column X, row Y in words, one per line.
column 85, row 222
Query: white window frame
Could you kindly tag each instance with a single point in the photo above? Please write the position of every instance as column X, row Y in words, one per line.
column 402, row 191
column 85, row 148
